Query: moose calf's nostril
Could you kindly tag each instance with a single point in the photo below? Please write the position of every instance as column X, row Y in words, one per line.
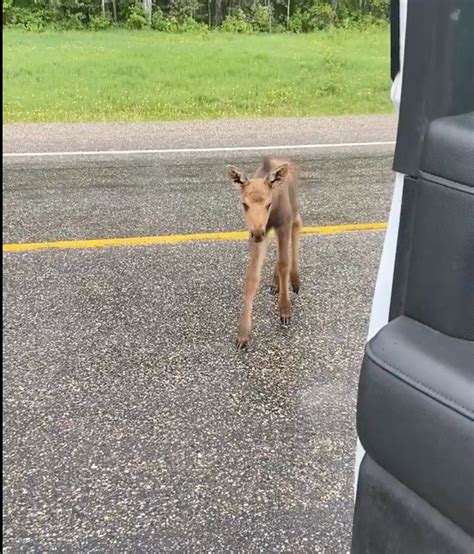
column 258, row 235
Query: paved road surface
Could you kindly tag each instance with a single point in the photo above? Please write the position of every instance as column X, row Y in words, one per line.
column 131, row 423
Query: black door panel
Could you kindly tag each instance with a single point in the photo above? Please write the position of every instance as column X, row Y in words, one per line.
column 415, row 413
column 392, row 519
column 438, row 73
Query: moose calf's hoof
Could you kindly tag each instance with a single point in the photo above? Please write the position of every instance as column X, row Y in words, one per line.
column 296, row 289
column 274, row 289
column 241, row 344
column 285, row 321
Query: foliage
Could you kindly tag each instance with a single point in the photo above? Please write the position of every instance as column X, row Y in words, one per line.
column 99, row 23
column 371, row 13
column 190, row 25
column 7, row 10
column 74, row 22
column 182, row 10
column 136, row 18
column 159, row 22
column 34, row 21
column 73, row 14
column 315, row 17
column 174, row 25
column 379, row 8
column 237, row 23
column 180, row 16
column 261, row 18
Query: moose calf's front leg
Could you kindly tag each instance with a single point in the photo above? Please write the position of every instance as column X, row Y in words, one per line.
column 284, row 235
column 257, row 255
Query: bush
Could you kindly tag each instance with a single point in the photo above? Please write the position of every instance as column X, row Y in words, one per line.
column 62, row 15
column 73, row 14
column 376, row 12
column 261, row 18
column 318, row 16
column 99, row 23
column 380, row 9
column 190, row 25
column 17, row 17
column 172, row 25
column 237, row 23
column 279, row 28
column 136, row 18
column 159, row 22
column 183, row 10
column 164, row 24
column 74, row 22
column 295, row 25
column 34, row 21
column 7, row 11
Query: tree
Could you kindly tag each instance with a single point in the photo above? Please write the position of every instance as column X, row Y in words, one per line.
column 114, row 9
column 218, row 13
column 182, row 9
column 147, row 9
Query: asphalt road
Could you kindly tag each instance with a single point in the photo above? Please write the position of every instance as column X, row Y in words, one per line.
column 131, row 423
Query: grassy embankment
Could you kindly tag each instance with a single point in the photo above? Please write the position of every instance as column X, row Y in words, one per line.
column 122, row 75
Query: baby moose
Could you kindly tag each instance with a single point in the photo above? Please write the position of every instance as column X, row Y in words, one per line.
column 269, row 200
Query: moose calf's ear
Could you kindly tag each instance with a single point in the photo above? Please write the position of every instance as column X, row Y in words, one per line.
column 237, row 178
column 276, row 177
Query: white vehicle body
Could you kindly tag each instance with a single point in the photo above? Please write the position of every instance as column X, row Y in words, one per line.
column 383, row 288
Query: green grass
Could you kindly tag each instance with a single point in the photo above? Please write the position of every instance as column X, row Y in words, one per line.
column 125, row 75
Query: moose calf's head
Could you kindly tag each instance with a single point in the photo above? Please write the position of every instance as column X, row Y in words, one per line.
column 257, row 196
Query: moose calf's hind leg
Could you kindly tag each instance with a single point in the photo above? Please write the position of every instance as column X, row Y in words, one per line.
column 284, row 273
column 275, row 286
column 295, row 254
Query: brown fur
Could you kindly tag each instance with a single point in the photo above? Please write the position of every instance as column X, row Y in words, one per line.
column 270, row 200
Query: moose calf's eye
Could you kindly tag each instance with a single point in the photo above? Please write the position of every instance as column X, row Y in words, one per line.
column 246, row 207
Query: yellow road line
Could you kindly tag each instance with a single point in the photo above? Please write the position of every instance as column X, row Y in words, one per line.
column 337, row 229
column 175, row 239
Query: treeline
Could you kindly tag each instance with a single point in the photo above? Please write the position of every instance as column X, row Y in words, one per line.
column 237, row 16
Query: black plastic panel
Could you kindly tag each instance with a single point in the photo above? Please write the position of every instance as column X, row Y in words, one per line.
column 440, row 280
column 403, row 254
column 434, row 267
column 392, row 519
column 415, row 414
column 438, row 77
column 449, row 149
